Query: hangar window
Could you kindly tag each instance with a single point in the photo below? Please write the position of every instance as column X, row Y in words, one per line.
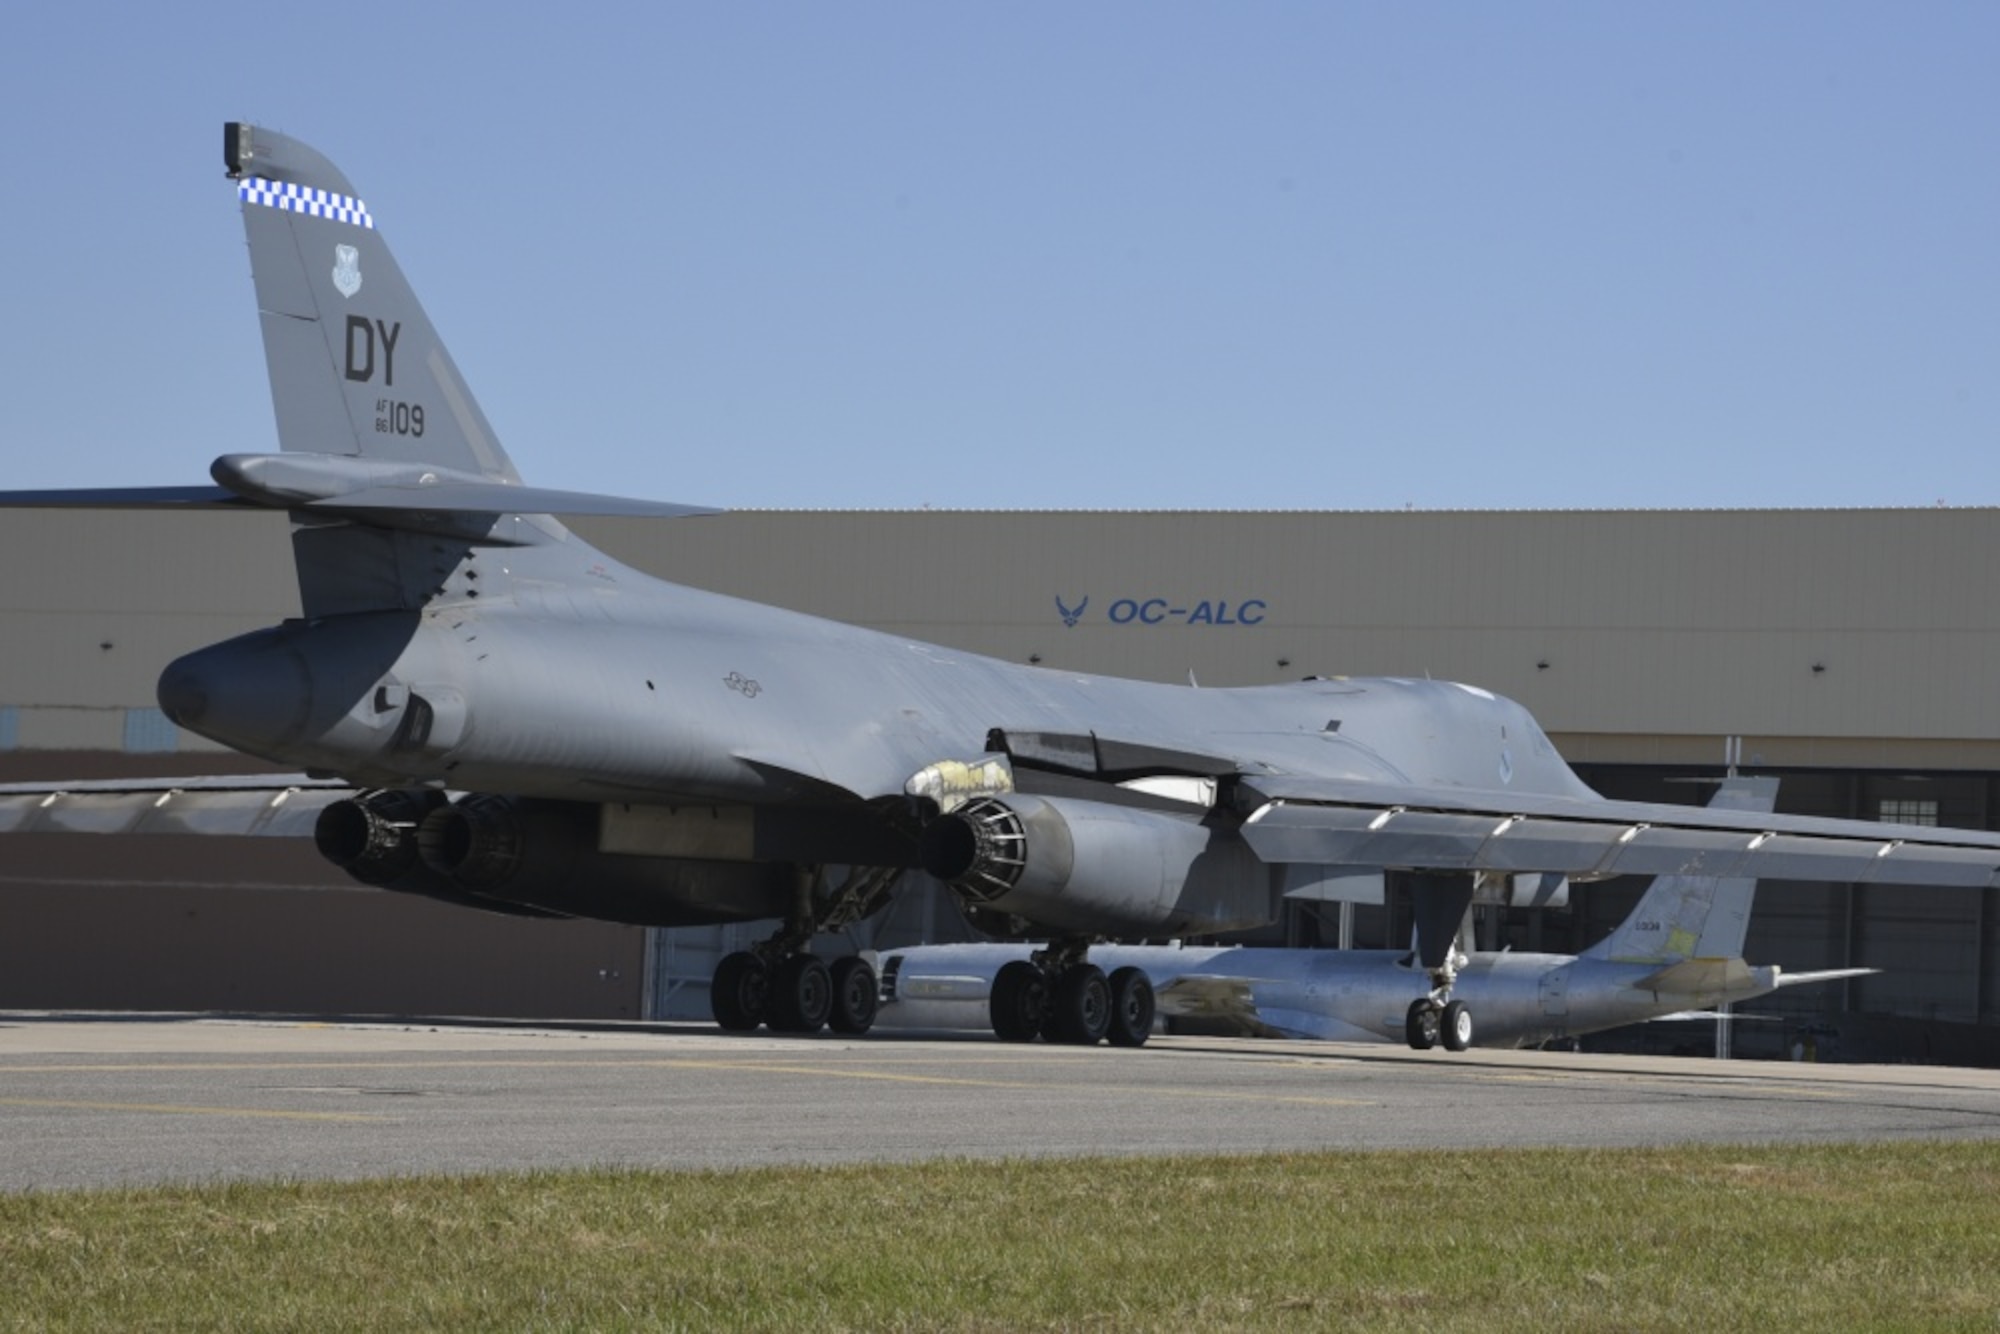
column 1904, row 810
column 148, row 730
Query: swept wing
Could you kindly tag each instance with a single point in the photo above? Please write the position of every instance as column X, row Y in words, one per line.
column 1345, row 822
column 280, row 805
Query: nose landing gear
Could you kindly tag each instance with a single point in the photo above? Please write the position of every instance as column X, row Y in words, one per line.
column 1440, row 906
column 1430, row 1024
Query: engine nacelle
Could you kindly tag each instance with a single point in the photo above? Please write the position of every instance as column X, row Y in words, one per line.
column 1096, row 868
column 545, row 854
column 373, row 838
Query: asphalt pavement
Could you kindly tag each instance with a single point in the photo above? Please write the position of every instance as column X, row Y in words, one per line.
column 92, row 1101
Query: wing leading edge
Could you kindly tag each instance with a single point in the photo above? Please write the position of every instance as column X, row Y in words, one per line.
column 1348, row 823
column 277, row 805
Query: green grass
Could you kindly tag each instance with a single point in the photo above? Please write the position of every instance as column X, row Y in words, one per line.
column 1842, row 1237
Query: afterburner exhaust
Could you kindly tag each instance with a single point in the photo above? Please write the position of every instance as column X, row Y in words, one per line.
column 374, row 837
column 478, row 842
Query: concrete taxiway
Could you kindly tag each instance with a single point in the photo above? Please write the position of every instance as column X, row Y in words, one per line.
column 87, row 1102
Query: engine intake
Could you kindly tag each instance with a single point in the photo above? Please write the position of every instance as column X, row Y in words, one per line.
column 980, row 849
column 1097, row 868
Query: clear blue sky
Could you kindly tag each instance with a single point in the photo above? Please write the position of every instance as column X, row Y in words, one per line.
column 1125, row 255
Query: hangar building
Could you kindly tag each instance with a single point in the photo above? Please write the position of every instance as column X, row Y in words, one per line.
column 1854, row 652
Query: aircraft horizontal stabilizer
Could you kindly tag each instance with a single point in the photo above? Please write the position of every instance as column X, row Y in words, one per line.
column 497, row 498
column 459, row 498
column 125, row 497
column 1824, row 975
column 343, row 484
column 1709, row 977
column 1706, row 977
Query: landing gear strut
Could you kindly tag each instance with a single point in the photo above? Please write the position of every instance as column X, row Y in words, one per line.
column 1441, row 906
column 1059, row 995
column 777, row 983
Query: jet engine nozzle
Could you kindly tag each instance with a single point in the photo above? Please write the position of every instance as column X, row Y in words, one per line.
column 374, row 837
column 478, row 842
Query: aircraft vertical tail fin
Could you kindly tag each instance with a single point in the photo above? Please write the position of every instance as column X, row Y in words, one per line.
column 390, row 470
column 356, row 367
column 1692, row 916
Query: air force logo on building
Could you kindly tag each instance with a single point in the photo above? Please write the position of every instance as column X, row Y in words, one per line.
column 1170, row 611
column 346, row 269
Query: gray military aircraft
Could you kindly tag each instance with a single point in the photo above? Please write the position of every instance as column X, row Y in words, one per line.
column 496, row 714
column 1679, row 949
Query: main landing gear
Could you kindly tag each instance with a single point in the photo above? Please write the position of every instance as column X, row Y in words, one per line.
column 801, row 993
column 1061, row 996
column 779, row 985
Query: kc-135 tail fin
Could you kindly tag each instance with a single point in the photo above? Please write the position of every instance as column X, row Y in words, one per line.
column 1693, row 916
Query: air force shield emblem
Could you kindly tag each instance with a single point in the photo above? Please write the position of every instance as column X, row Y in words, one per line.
column 346, row 269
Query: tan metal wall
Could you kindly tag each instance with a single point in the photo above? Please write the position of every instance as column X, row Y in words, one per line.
column 177, row 923
column 1661, row 632
column 94, row 603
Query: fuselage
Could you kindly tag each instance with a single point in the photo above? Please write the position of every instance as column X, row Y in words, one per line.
column 1339, row 995
column 571, row 676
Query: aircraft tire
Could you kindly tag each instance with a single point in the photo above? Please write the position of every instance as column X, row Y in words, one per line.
column 854, row 996
column 1455, row 1030
column 1020, row 996
column 1132, row 1008
column 801, row 994
column 1080, row 1014
column 740, row 992
column 1421, row 1027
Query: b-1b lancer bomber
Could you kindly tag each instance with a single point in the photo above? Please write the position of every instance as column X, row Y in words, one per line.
column 491, row 712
